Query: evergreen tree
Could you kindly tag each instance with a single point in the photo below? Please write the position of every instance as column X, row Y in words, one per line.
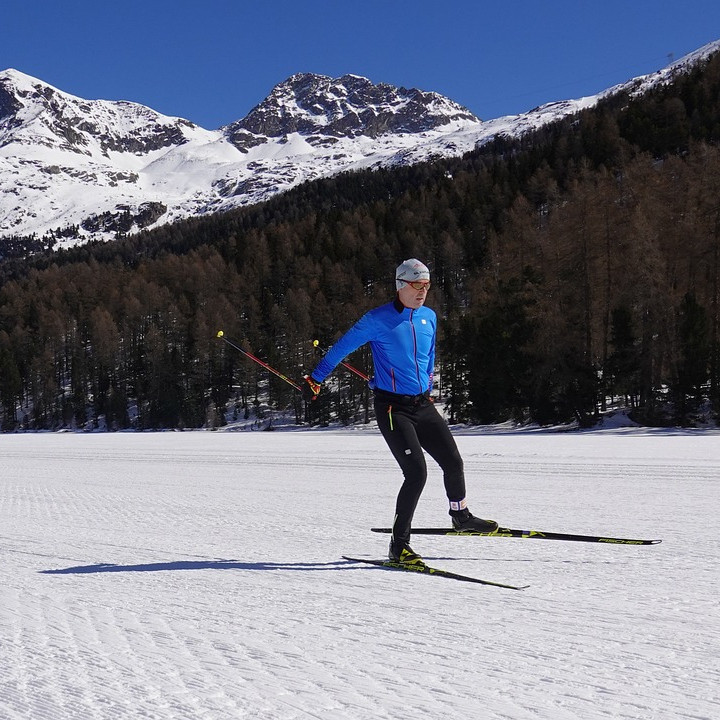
column 693, row 358
column 622, row 370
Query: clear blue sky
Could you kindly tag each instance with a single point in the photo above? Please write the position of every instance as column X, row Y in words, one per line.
column 213, row 61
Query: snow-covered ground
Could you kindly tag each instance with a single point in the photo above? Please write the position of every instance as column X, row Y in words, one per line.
column 198, row 575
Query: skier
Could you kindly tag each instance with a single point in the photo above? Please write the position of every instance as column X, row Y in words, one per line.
column 401, row 334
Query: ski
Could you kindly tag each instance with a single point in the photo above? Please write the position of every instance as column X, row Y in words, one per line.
column 527, row 534
column 427, row 570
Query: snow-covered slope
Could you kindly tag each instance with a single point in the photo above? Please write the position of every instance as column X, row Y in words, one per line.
column 88, row 168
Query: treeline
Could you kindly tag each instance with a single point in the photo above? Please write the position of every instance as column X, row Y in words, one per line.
column 572, row 267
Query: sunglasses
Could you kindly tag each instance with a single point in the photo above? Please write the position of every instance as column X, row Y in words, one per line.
column 416, row 285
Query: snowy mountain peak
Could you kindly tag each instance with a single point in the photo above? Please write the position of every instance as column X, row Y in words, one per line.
column 347, row 107
column 71, row 169
column 37, row 114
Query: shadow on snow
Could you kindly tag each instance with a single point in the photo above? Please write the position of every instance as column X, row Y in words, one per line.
column 237, row 565
column 192, row 565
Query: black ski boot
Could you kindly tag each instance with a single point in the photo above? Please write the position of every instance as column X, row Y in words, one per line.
column 401, row 552
column 466, row 521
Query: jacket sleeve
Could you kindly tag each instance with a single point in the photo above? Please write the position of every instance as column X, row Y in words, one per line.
column 431, row 357
column 361, row 332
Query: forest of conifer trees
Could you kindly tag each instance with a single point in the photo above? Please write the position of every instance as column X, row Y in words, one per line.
column 574, row 269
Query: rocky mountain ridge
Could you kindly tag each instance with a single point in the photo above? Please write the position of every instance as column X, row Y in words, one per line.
column 73, row 169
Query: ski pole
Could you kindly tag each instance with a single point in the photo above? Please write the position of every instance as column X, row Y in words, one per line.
column 247, row 354
column 352, row 369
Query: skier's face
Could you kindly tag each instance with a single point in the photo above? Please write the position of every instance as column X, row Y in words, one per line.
column 413, row 296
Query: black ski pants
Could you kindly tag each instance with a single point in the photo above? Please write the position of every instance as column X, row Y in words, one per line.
column 411, row 424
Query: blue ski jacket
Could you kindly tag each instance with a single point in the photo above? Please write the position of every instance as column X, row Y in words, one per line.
column 402, row 341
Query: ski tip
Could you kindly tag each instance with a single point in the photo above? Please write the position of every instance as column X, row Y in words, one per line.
column 220, row 333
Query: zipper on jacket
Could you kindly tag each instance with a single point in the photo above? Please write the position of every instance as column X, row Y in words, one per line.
column 414, row 337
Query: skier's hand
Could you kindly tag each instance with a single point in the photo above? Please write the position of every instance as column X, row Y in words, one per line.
column 310, row 388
